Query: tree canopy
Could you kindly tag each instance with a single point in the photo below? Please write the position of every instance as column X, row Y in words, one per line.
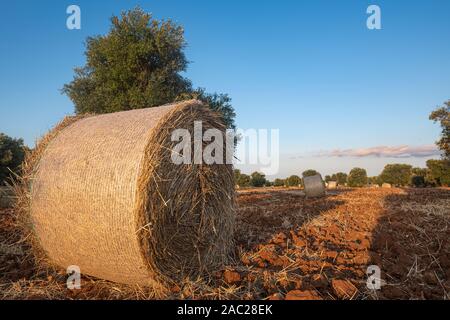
column 340, row 177
column 442, row 115
column 439, row 172
column 237, row 174
column 309, row 173
column 421, row 172
column 396, row 174
column 357, row 177
column 217, row 102
column 137, row 64
column 257, row 179
column 374, row 180
column 12, row 153
column 243, row 180
column 293, row 181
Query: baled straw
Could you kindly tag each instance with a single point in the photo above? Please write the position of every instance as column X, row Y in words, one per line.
column 104, row 195
column 314, row 186
column 332, row 185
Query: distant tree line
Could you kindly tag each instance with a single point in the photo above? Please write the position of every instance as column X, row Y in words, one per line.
column 257, row 179
column 437, row 173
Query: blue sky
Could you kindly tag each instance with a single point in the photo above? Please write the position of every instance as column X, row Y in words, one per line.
column 309, row 68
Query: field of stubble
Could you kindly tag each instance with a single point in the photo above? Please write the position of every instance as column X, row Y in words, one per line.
column 288, row 247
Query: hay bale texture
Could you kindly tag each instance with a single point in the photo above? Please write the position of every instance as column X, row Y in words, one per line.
column 314, row 186
column 102, row 193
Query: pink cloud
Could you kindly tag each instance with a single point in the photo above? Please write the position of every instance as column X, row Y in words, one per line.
column 403, row 151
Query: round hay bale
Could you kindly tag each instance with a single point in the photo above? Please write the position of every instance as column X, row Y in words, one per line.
column 314, row 186
column 332, row 185
column 105, row 195
column 386, row 185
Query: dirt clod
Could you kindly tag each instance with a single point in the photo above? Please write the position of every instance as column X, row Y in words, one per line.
column 343, row 289
column 275, row 296
column 231, row 277
column 302, row 295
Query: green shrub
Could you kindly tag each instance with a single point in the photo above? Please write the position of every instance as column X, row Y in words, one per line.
column 12, row 152
column 439, row 172
column 257, row 179
column 243, row 180
column 442, row 115
column 357, row 177
column 340, row 178
column 396, row 174
column 293, row 181
column 418, row 181
column 309, row 173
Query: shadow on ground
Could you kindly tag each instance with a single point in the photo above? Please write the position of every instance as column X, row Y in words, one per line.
column 261, row 215
column 411, row 245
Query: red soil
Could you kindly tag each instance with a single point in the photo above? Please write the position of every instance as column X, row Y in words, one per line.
column 289, row 243
column 289, row 247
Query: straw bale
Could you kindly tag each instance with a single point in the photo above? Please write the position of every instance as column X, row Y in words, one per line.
column 102, row 193
column 332, row 185
column 314, row 186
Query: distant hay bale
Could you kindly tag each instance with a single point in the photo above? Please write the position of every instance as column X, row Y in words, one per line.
column 386, row 185
column 314, row 186
column 332, row 185
column 103, row 194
